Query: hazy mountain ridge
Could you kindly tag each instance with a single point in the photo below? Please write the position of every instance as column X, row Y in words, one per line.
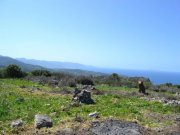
column 27, row 66
column 5, row 61
column 156, row 77
column 56, row 64
column 66, row 67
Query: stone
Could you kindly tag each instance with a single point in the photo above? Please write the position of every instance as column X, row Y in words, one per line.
column 16, row 123
column 43, row 121
column 76, row 92
column 82, row 96
column 115, row 127
column 94, row 115
column 68, row 131
column 85, row 97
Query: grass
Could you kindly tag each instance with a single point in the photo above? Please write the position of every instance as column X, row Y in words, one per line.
column 107, row 87
column 17, row 102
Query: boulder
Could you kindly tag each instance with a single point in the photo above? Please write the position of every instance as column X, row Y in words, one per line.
column 16, row 123
column 85, row 97
column 94, row 115
column 82, row 96
column 43, row 121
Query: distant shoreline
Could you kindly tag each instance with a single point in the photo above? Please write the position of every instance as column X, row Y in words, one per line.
column 156, row 77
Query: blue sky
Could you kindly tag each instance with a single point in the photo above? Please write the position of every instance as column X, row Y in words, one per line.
column 125, row 34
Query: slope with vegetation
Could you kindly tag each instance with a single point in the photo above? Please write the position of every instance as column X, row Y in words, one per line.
column 5, row 61
column 118, row 99
column 28, row 67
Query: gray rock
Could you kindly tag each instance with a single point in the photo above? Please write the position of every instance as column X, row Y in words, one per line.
column 94, row 115
column 83, row 96
column 177, row 119
column 115, row 127
column 68, row 131
column 43, row 121
column 16, row 123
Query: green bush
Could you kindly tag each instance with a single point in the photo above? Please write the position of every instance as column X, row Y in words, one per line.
column 113, row 80
column 41, row 73
column 13, row 71
column 1, row 73
column 84, row 80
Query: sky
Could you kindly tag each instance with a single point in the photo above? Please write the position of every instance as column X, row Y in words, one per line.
column 121, row 34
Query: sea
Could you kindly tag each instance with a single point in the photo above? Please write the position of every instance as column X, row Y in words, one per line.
column 156, row 77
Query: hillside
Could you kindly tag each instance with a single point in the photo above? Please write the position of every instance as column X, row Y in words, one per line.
column 120, row 110
column 157, row 77
column 30, row 66
column 56, row 64
column 5, row 61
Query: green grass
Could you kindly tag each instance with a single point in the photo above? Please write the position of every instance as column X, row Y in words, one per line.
column 17, row 102
column 107, row 87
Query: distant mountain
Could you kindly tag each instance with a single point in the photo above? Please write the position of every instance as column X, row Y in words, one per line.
column 37, row 65
column 156, row 77
column 80, row 72
column 57, row 64
column 65, row 67
column 5, row 61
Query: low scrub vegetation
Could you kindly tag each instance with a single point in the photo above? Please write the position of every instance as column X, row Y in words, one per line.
column 18, row 102
column 23, row 95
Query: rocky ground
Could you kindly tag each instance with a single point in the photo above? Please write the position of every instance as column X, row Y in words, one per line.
column 112, row 126
column 101, row 126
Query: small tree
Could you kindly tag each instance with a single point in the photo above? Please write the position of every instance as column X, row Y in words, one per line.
column 13, row 71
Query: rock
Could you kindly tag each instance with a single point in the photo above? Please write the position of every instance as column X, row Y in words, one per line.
column 16, row 123
column 177, row 119
column 116, row 127
column 163, row 100
column 43, row 121
column 83, row 96
column 75, row 103
column 174, row 133
column 76, row 92
column 94, row 115
column 68, row 131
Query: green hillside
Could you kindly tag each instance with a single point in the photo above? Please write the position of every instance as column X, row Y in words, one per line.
column 24, row 99
column 5, row 61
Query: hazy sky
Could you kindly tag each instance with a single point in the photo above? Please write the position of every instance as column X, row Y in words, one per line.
column 126, row 34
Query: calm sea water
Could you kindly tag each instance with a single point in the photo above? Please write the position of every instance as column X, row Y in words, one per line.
column 154, row 76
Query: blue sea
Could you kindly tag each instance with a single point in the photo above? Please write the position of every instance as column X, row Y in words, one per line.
column 155, row 76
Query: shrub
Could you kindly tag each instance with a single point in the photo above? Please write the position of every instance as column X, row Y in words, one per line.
column 13, row 71
column 71, row 83
column 113, row 80
column 1, row 73
column 84, row 80
column 41, row 72
column 178, row 86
